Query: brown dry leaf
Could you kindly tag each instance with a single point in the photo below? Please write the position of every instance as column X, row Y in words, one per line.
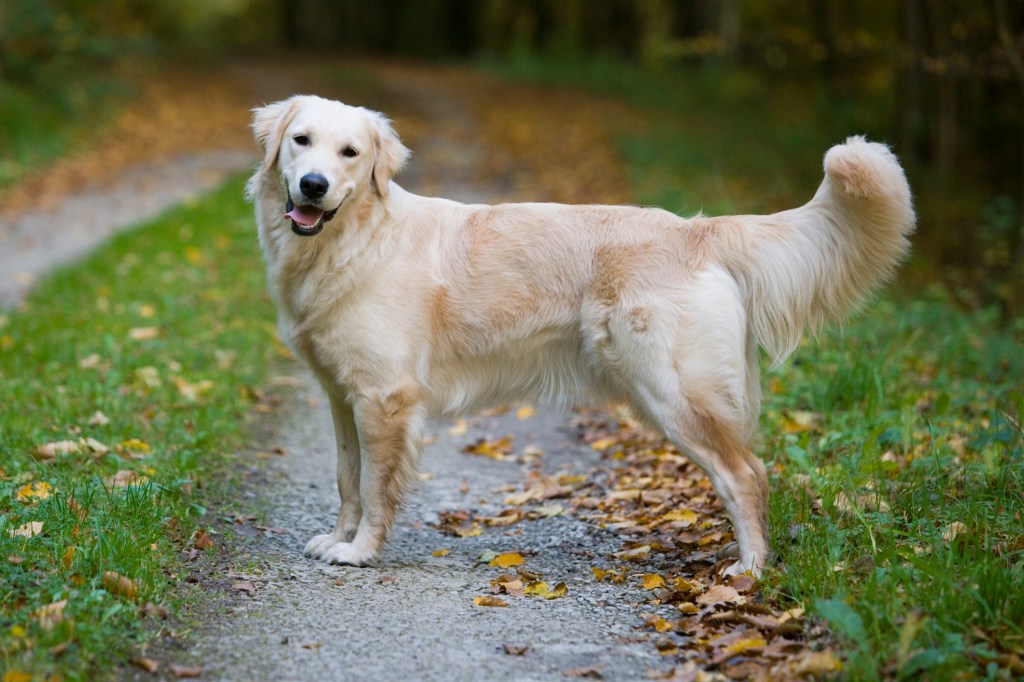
column 193, row 392
column 507, row 560
column 147, row 664
column 185, row 671
column 592, row 672
column 202, row 540
column 246, row 586
column 124, row 478
column 52, row 450
column 513, row 650
column 120, row 585
column 489, row 601
column 459, row 428
column 720, row 594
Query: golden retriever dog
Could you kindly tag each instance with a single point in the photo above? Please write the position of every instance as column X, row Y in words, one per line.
column 408, row 307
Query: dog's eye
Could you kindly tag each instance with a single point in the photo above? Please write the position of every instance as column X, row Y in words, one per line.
column 350, row 152
column 301, row 140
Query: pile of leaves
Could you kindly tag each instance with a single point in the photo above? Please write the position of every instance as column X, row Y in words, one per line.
column 673, row 531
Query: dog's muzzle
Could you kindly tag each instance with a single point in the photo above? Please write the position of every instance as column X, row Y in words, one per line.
column 307, row 221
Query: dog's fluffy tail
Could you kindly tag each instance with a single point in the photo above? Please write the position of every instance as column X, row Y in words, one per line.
column 816, row 262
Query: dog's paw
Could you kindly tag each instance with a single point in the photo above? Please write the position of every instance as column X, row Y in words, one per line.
column 333, row 550
column 320, row 544
column 740, row 567
column 349, row 554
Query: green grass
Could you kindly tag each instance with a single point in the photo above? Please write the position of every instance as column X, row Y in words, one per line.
column 898, row 498
column 165, row 332
column 895, row 443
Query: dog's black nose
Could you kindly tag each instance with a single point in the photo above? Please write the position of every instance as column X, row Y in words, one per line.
column 314, row 185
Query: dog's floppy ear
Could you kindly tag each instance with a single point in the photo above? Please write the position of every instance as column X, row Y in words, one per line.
column 389, row 152
column 268, row 126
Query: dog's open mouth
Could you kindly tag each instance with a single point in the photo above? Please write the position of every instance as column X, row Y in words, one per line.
column 307, row 221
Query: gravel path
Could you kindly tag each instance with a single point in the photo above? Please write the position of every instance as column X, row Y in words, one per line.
column 33, row 244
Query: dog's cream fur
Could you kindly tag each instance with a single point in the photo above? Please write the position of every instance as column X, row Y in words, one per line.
column 407, row 307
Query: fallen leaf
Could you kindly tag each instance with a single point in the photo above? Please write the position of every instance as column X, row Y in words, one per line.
column 120, row 585
column 525, row 412
column 311, row 645
column 684, row 517
column 32, row 492
column 49, row 615
column 592, row 672
column 202, row 540
column 635, row 554
column 954, row 529
column 27, row 530
column 246, row 586
column 604, row 443
column 653, row 581
column 507, row 560
column 489, row 601
column 184, row 670
column 540, row 589
column 17, row 676
column 98, row 419
column 440, row 552
column 57, row 448
column 495, row 449
column 659, row 624
column 143, row 333
column 746, row 645
column 147, row 664
column 720, row 594
column 513, row 650
column 68, row 558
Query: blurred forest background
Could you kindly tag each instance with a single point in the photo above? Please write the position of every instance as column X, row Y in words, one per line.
column 941, row 80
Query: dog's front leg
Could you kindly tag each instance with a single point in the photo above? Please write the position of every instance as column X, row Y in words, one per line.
column 390, row 426
column 347, row 439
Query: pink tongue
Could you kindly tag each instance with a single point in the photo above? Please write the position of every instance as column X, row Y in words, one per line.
column 305, row 215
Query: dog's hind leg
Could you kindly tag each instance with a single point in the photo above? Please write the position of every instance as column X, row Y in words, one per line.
column 347, row 439
column 390, row 425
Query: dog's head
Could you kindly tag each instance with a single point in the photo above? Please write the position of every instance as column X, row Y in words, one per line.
column 327, row 154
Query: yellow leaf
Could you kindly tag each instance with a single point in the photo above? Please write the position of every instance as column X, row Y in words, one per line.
column 540, row 589
column 659, row 624
column 193, row 255
column 489, row 601
column 440, row 552
column 17, row 676
column 683, row 516
column 507, row 560
column 745, row 645
column 147, row 310
column 69, row 558
column 653, row 581
column 603, row 443
column 39, row 490
column 525, row 412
